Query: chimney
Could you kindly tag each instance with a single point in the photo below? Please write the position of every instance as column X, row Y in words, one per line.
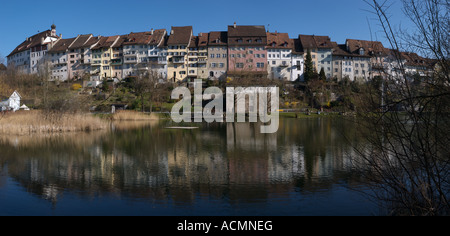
column 234, row 25
column 42, row 40
column 152, row 32
column 171, row 31
column 60, row 36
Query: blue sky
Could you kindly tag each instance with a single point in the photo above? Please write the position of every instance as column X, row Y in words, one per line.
column 338, row 19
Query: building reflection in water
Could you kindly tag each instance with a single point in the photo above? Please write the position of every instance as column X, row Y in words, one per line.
column 231, row 161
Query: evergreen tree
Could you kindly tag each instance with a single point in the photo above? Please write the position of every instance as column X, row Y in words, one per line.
column 309, row 67
column 322, row 75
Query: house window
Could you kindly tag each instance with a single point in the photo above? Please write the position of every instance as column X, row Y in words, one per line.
column 260, row 65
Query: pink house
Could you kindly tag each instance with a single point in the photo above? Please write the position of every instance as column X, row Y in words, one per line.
column 246, row 50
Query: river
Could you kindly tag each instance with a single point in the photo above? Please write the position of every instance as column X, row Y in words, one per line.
column 216, row 170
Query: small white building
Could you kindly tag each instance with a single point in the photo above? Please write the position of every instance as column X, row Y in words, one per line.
column 11, row 104
column 279, row 56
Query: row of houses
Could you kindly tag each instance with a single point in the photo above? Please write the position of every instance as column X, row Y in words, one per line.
column 179, row 55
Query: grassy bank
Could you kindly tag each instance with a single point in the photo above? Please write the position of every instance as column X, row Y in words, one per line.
column 29, row 122
column 300, row 115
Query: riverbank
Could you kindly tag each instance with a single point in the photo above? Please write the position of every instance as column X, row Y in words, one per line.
column 36, row 121
column 304, row 115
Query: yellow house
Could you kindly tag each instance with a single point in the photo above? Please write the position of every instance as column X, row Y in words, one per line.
column 102, row 54
column 177, row 59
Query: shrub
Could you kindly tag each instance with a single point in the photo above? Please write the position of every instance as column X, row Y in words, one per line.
column 76, row 87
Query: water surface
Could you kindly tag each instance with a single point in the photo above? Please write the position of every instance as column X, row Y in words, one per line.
column 217, row 169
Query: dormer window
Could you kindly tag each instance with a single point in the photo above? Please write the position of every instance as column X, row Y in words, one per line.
column 361, row 51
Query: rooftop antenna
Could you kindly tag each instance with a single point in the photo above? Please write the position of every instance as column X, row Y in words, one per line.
column 370, row 29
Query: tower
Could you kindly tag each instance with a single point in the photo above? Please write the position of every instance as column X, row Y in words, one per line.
column 53, row 30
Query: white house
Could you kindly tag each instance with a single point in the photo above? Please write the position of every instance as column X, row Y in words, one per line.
column 13, row 103
column 297, row 61
column 279, row 55
column 29, row 56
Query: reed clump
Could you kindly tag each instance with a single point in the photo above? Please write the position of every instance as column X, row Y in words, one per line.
column 133, row 116
column 31, row 122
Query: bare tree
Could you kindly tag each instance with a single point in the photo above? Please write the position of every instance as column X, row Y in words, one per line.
column 406, row 153
column 145, row 82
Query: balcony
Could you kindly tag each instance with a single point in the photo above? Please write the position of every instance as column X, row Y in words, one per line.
column 131, row 60
column 284, row 64
column 116, row 62
column 178, row 60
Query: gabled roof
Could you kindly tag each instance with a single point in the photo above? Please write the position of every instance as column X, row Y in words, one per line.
column 246, row 31
column 80, row 41
column 120, row 41
column 157, row 37
column 93, row 41
column 247, row 35
column 218, row 38
column 180, row 35
column 32, row 41
column 106, row 42
column 203, row 39
column 297, row 47
column 194, row 42
column 140, row 38
column 341, row 50
column 62, row 45
column 413, row 59
column 163, row 43
column 315, row 42
column 279, row 41
column 371, row 48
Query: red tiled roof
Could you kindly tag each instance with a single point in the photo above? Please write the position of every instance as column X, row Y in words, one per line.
column 246, row 31
column 218, row 38
column 31, row 42
column 313, row 41
column 247, row 35
column 80, row 41
column 120, row 41
column 203, row 39
column 194, row 42
column 62, row 45
column 180, row 35
column 371, row 48
column 413, row 59
column 279, row 41
column 297, row 47
column 106, row 42
column 137, row 38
